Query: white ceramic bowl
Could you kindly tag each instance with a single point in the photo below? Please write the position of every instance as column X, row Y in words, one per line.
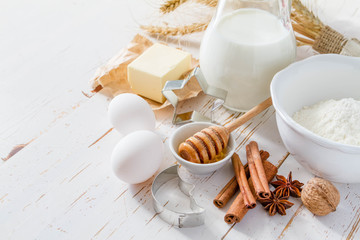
column 188, row 130
column 305, row 83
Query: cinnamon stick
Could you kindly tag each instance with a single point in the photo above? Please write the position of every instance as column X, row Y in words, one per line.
column 238, row 210
column 259, row 189
column 226, row 193
column 242, row 181
column 259, row 169
column 229, row 190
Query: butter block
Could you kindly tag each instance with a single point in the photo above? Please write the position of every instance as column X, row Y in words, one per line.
column 148, row 73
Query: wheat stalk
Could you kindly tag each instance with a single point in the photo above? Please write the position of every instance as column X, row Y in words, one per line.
column 171, row 5
column 210, row 3
column 174, row 31
column 304, row 21
column 304, row 41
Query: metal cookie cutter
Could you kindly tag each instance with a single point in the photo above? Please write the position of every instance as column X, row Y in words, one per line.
column 192, row 218
column 192, row 116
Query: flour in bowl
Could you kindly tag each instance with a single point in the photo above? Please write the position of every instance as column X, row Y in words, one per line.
column 337, row 120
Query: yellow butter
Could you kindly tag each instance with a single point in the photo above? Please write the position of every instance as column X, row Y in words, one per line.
column 148, row 73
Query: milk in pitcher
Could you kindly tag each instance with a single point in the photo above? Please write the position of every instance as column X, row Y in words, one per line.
column 242, row 53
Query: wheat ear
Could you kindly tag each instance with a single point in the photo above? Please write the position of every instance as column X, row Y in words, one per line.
column 171, row 5
column 210, row 3
column 173, row 31
column 305, row 22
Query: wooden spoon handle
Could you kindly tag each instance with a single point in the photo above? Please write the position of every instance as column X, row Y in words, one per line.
column 249, row 115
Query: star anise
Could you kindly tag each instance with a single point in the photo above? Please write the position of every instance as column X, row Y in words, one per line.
column 276, row 203
column 287, row 187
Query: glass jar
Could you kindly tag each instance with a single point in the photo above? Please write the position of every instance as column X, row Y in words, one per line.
column 245, row 44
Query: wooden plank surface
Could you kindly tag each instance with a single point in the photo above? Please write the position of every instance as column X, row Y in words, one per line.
column 56, row 142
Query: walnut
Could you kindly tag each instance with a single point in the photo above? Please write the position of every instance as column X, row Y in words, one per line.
column 320, row 196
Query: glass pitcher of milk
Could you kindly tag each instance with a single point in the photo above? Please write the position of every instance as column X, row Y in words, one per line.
column 244, row 46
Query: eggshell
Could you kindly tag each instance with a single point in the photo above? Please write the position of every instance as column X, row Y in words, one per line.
column 128, row 113
column 137, row 156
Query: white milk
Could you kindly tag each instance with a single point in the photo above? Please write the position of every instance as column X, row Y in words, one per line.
column 242, row 53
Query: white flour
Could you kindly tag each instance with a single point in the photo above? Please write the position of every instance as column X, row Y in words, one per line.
column 338, row 120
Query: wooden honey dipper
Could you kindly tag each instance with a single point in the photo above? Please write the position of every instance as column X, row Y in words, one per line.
column 203, row 146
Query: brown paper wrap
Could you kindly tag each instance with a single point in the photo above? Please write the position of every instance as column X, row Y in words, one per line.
column 113, row 75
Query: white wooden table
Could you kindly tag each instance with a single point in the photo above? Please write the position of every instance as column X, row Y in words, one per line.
column 55, row 142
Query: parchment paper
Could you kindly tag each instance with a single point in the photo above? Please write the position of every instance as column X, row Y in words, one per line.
column 113, row 75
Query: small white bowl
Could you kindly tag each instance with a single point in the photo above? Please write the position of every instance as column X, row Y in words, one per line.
column 188, row 130
column 305, row 83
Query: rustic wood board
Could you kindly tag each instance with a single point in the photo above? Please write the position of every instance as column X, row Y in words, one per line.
column 56, row 141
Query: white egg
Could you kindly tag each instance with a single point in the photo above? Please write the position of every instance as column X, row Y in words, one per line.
column 137, row 156
column 128, row 113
